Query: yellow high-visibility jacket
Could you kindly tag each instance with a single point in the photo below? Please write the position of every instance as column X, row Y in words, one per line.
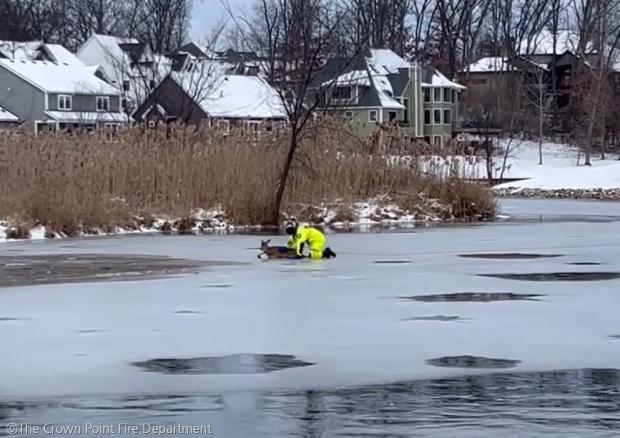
column 313, row 237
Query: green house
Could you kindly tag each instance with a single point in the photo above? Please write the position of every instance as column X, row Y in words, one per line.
column 380, row 87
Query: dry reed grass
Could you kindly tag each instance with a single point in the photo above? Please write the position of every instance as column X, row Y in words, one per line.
column 68, row 182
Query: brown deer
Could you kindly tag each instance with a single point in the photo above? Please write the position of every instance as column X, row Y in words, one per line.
column 276, row 252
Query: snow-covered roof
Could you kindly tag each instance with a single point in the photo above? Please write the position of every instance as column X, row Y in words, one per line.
column 354, row 77
column 62, row 55
column 383, row 87
column 59, row 78
column 230, row 96
column 112, row 43
column 490, row 64
column 87, row 117
column 439, row 80
column 7, row 116
column 387, row 60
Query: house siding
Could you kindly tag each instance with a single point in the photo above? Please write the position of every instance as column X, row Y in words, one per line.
column 21, row 98
column 175, row 101
column 85, row 102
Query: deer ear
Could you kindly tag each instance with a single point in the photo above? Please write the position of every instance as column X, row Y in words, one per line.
column 268, row 241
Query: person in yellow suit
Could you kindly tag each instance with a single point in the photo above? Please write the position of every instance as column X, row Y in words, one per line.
column 305, row 234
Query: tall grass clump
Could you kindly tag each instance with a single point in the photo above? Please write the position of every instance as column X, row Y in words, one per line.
column 66, row 182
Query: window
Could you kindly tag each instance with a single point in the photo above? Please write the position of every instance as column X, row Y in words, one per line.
column 427, row 94
column 453, row 96
column 126, row 85
column 392, row 115
column 65, row 102
column 103, row 103
column 151, row 84
column 342, row 93
column 437, row 140
column 436, row 94
column 447, row 117
column 224, row 126
column 447, row 95
column 427, row 139
column 406, row 112
column 427, row 117
column 372, row 115
column 348, row 115
column 254, row 129
column 437, row 117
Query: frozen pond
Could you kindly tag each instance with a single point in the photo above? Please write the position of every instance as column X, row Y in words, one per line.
column 425, row 332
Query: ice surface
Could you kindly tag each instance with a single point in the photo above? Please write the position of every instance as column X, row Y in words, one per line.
column 342, row 314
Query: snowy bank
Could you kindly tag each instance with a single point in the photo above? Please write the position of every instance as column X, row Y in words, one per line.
column 380, row 211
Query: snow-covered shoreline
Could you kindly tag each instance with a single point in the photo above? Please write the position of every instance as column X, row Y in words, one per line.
column 535, row 193
column 337, row 215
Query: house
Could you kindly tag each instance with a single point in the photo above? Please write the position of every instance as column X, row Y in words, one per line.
column 37, row 51
column 52, row 96
column 379, row 87
column 208, row 91
column 8, row 120
column 128, row 65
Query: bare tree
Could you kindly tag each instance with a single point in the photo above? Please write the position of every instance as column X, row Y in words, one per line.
column 295, row 37
column 599, row 34
column 379, row 24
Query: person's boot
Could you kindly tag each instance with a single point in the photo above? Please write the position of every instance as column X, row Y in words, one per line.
column 328, row 253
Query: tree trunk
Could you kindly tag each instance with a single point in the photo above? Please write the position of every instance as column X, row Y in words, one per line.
column 275, row 218
column 540, row 125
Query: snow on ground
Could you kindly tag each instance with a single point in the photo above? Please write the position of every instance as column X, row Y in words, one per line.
column 343, row 314
column 559, row 169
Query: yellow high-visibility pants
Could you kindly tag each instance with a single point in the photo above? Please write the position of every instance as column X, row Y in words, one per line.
column 316, row 246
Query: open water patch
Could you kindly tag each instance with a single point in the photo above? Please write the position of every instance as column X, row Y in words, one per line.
column 509, row 256
column 217, row 286
column 17, row 270
column 557, row 276
column 481, row 297
column 392, row 262
column 442, row 318
column 584, row 263
column 245, row 363
column 467, row 361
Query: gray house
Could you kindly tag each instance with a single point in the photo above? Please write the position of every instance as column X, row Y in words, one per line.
column 55, row 96
column 380, row 87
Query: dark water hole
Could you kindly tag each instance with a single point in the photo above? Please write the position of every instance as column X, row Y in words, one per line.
column 89, row 331
column 472, row 362
column 558, row 276
column 558, row 404
column 187, row 312
column 216, row 286
column 73, row 268
column 509, row 256
column 584, row 263
column 474, row 297
column 391, row 262
column 232, row 364
column 443, row 318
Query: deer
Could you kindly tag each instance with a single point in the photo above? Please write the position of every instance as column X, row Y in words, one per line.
column 276, row 252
